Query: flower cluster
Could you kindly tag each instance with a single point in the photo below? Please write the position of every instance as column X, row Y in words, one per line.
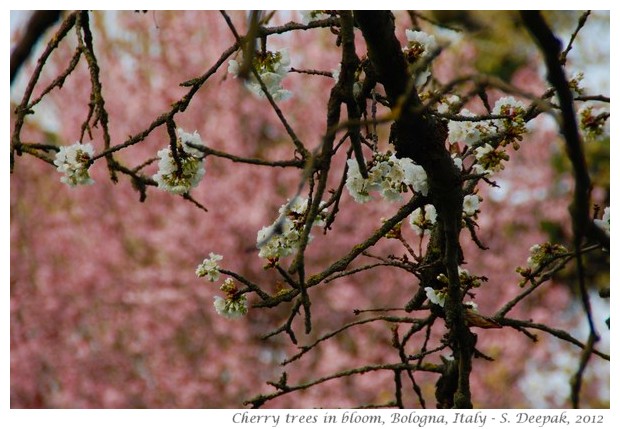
column 513, row 126
column 593, row 121
column 489, row 159
column 209, row 268
column 423, row 218
column 468, row 132
column 271, row 67
column 233, row 306
column 509, row 130
column 420, row 46
column 575, row 84
column 282, row 238
column 388, row 175
column 604, row 222
column 543, row 254
column 449, row 104
column 178, row 175
column 73, row 161
column 467, row 281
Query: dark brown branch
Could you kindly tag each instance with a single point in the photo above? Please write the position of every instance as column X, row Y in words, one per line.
column 60, row 79
column 242, row 160
column 343, row 262
column 39, row 22
column 188, row 197
column 240, row 42
column 580, row 207
column 400, row 346
column 599, row 97
column 291, row 26
column 97, row 103
column 22, row 110
column 576, row 380
column 580, row 24
column 311, row 72
column 419, row 136
column 251, row 286
column 178, row 106
column 284, row 389
column 550, row 47
column 350, row 63
column 558, row 333
column 391, row 319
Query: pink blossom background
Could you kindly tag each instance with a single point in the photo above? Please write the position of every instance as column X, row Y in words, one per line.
column 106, row 310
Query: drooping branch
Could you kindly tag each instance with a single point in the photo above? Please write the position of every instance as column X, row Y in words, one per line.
column 550, row 47
column 23, row 110
column 583, row 224
column 39, row 22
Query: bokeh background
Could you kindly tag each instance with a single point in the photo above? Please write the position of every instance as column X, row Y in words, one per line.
column 106, row 311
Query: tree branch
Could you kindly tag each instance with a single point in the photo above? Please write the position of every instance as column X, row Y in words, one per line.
column 39, row 22
column 419, row 136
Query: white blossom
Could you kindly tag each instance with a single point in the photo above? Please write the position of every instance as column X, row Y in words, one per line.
column 458, row 162
column 231, row 308
column 488, row 159
column 481, row 151
column 542, row 254
column 295, row 210
column 274, row 244
column 471, row 305
column 471, row 204
column 73, row 162
column 423, row 218
column 447, row 103
column 509, row 106
column 415, row 176
column 593, row 120
column 282, row 238
column 180, row 179
column 395, row 173
column 420, row 46
column 468, row 132
column 357, row 186
column 514, row 125
column 271, row 67
column 388, row 175
column 437, row 297
column 423, row 44
column 209, row 267
column 604, row 222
